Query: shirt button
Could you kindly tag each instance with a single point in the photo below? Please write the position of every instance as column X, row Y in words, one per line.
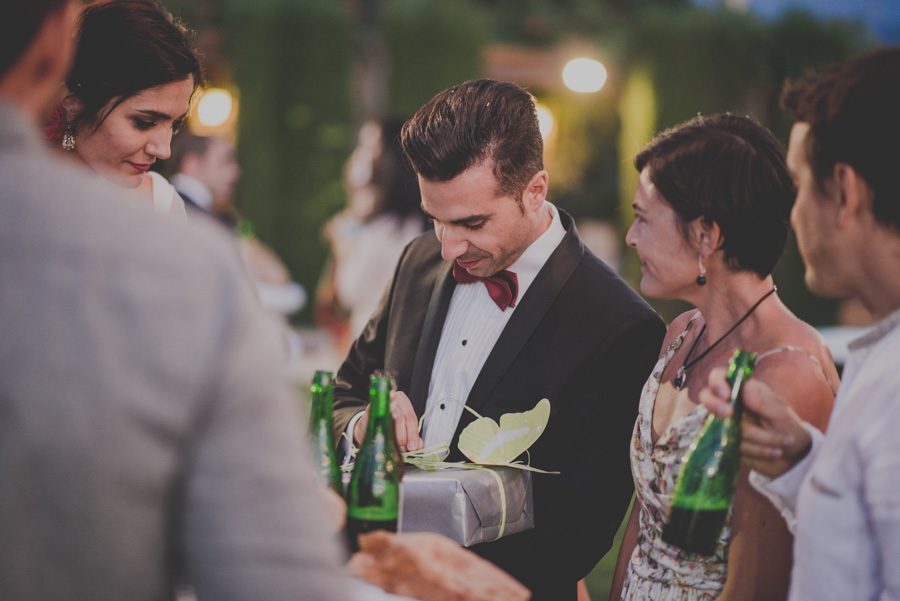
column 442, row 407
column 464, row 342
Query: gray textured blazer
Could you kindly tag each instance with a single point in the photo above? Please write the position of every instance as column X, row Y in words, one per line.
column 146, row 434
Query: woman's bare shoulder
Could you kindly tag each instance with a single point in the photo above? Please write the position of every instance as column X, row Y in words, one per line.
column 678, row 325
column 798, row 364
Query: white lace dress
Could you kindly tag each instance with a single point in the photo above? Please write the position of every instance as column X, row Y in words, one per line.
column 165, row 199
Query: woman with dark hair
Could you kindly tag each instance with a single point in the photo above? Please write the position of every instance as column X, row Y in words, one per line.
column 712, row 214
column 383, row 215
column 129, row 89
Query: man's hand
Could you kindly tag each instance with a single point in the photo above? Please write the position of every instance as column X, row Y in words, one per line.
column 425, row 565
column 773, row 437
column 406, row 424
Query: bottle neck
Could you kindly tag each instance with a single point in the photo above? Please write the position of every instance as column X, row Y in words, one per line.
column 322, row 397
column 739, row 371
column 380, row 406
column 322, row 406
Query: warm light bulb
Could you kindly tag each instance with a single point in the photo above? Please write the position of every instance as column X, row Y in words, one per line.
column 214, row 107
column 584, row 75
column 545, row 120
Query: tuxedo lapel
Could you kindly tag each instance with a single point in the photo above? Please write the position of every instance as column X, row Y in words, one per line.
column 531, row 309
column 189, row 202
column 431, row 336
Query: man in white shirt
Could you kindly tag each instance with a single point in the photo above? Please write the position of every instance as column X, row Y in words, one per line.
column 551, row 321
column 840, row 493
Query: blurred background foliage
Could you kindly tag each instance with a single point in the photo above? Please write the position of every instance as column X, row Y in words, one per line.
column 429, row 46
column 308, row 73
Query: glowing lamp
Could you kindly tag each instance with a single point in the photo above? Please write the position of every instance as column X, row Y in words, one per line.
column 545, row 120
column 584, row 75
column 214, row 107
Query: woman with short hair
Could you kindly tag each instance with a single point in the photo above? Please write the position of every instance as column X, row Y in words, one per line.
column 712, row 213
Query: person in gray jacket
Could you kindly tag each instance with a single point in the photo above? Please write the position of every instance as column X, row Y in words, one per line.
column 147, row 436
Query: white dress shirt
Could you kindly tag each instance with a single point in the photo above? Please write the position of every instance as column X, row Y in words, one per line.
column 843, row 500
column 194, row 189
column 473, row 325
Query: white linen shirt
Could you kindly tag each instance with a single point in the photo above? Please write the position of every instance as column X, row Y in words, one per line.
column 473, row 325
column 843, row 500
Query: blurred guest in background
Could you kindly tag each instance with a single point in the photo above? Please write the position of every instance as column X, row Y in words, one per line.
column 711, row 220
column 366, row 239
column 130, row 86
column 205, row 171
column 839, row 492
column 147, row 436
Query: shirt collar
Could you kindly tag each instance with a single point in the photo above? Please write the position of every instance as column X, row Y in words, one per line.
column 879, row 331
column 527, row 266
column 194, row 189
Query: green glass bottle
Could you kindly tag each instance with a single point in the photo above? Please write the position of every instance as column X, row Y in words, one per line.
column 322, row 433
column 709, row 472
column 373, row 496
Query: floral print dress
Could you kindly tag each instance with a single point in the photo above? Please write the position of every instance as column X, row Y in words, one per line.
column 658, row 571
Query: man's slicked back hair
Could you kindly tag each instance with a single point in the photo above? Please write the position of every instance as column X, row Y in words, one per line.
column 477, row 122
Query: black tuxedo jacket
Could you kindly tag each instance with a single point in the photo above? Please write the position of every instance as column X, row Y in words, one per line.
column 581, row 337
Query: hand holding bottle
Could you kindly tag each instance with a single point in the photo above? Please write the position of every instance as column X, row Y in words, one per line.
column 706, row 482
column 773, row 436
column 406, row 424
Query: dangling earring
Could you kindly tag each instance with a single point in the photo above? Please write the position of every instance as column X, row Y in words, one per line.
column 701, row 279
column 68, row 139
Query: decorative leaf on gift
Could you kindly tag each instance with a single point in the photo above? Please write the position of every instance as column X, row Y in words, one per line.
column 483, row 441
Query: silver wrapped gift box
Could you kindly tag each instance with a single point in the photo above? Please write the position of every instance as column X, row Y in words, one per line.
column 466, row 505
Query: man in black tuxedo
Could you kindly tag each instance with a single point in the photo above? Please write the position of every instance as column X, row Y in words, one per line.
column 553, row 321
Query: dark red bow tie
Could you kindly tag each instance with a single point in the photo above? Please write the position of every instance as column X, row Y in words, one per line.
column 502, row 286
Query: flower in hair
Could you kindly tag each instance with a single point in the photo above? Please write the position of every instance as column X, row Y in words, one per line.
column 57, row 124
